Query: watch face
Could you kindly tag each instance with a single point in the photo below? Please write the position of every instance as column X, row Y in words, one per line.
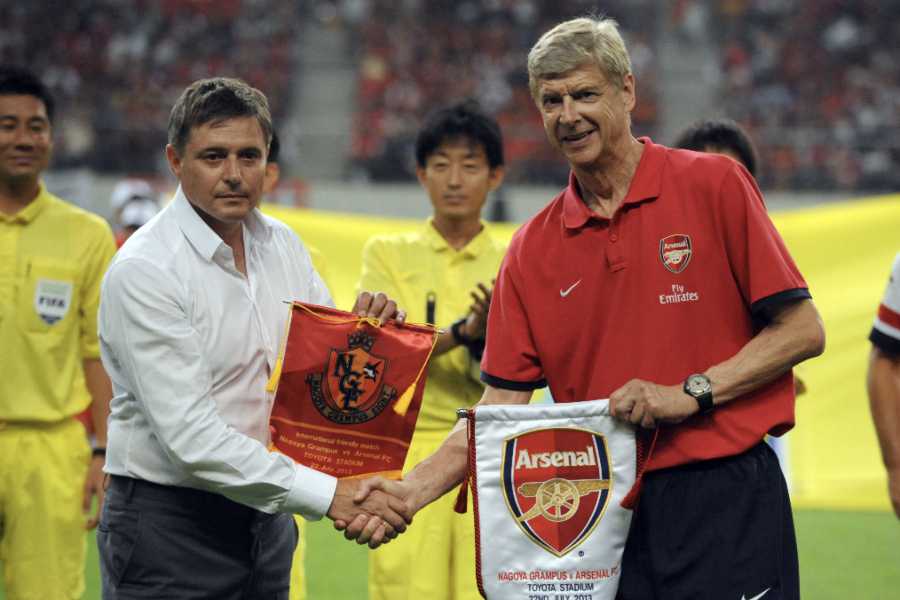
column 698, row 384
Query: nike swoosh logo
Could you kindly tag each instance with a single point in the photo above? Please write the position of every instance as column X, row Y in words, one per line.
column 743, row 597
column 563, row 294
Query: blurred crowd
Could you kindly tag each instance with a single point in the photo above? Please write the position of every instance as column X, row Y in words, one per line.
column 817, row 85
column 815, row 82
column 413, row 56
column 117, row 67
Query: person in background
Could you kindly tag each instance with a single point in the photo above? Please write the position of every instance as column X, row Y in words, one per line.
column 191, row 315
column 133, row 203
column 273, row 175
column 444, row 275
column 298, row 567
column 883, row 381
column 135, row 214
column 52, row 259
column 657, row 280
column 720, row 136
column 728, row 138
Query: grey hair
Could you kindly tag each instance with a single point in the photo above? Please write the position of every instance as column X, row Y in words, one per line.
column 575, row 43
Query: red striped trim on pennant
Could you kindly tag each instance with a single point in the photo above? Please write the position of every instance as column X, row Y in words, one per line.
column 473, row 483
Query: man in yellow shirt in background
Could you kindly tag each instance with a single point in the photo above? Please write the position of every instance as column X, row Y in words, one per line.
column 270, row 180
column 272, row 177
column 52, row 258
column 443, row 274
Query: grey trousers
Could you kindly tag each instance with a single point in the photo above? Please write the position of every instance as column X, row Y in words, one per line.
column 166, row 542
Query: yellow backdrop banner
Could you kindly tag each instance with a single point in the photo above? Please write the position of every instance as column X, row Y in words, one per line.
column 844, row 251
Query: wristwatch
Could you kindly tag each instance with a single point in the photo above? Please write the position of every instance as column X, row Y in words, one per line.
column 700, row 387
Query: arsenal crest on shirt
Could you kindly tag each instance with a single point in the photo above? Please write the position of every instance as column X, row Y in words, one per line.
column 675, row 252
column 556, row 483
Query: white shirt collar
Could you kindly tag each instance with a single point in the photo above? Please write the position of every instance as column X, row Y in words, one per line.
column 202, row 237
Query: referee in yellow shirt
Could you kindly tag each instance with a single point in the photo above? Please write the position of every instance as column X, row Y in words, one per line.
column 52, row 258
column 442, row 274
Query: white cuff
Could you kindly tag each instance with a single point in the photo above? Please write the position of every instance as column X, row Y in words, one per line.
column 310, row 495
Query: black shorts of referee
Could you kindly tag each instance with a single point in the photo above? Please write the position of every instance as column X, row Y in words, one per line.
column 719, row 529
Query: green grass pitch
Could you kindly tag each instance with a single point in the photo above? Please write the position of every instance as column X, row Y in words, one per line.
column 842, row 555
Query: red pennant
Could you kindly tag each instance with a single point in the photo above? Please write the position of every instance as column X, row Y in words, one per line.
column 339, row 384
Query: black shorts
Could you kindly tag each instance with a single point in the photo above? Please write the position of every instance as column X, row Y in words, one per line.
column 719, row 529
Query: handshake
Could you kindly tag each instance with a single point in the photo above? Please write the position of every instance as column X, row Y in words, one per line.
column 372, row 511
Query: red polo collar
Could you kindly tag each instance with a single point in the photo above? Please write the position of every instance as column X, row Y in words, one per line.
column 645, row 185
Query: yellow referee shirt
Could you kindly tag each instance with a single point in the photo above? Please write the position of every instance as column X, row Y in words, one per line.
column 410, row 266
column 52, row 259
column 320, row 264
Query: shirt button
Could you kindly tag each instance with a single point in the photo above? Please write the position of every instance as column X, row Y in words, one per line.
column 614, row 237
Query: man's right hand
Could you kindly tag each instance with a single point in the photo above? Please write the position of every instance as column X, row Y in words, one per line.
column 376, row 516
column 432, row 478
column 366, row 528
column 378, row 306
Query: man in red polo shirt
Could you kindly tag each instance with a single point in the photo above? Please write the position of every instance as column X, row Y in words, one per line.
column 656, row 280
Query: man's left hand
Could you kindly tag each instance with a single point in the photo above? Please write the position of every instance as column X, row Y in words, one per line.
column 93, row 486
column 370, row 510
column 646, row 404
column 378, row 306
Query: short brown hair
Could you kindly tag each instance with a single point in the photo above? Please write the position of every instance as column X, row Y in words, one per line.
column 216, row 100
column 575, row 43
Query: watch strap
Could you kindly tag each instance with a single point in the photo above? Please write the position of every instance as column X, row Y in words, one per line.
column 705, row 401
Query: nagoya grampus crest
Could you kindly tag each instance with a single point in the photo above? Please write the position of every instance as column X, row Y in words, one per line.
column 353, row 376
column 557, row 483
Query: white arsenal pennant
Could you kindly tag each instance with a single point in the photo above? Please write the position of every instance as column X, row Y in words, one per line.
column 547, row 482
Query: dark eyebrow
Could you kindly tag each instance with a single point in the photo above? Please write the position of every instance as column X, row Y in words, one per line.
column 217, row 149
column 29, row 120
column 224, row 150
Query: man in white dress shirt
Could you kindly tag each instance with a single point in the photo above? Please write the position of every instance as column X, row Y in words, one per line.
column 191, row 319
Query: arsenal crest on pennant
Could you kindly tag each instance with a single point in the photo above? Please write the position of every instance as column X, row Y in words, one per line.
column 675, row 252
column 557, row 483
column 352, row 381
